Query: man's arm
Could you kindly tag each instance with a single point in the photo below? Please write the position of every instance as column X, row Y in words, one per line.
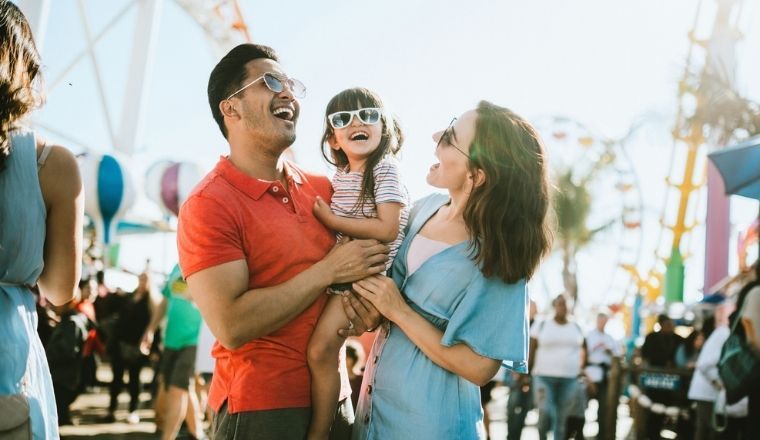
column 236, row 314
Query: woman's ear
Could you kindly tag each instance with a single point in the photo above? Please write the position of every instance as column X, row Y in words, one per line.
column 478, row 177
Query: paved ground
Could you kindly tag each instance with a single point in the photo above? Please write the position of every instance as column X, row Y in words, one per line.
column 90, row 408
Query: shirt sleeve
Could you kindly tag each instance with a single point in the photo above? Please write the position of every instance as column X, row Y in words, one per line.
column 388, row 187
column 207, row 236
column 492, row 320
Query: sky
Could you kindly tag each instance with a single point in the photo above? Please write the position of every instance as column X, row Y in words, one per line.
column 607, row 64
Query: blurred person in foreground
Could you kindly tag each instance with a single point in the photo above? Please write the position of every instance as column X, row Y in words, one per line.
column 41, row 215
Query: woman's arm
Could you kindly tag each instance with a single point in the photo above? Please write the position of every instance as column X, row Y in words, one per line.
column 459, row 359
column 383, row 228
column 62, row 191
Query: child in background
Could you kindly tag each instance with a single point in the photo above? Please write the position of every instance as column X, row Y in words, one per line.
column 369, row 201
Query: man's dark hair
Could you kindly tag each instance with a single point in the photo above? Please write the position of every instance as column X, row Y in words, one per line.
column 229, row 74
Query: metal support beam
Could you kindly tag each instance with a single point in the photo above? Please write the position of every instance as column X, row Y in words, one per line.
column 138, row 84
column 36, row 12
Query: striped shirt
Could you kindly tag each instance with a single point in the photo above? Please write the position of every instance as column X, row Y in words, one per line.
column 388, row 189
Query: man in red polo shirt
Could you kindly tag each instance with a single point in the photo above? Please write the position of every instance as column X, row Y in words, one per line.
column 259, row 261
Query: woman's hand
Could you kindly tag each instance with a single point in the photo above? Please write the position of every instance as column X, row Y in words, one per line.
column 323, row 213
column 382, row 292
column 362, row 316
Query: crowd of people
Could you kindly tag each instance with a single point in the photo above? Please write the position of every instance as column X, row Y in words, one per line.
column 282, row 265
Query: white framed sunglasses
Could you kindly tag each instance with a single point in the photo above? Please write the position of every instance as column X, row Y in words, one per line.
column 368, row 115
column 276, row 84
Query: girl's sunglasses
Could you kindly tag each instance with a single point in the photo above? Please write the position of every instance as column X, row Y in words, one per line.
column 277, row 84
column 368, row 115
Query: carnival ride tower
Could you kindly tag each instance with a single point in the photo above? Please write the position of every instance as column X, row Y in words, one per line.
column 690, row 172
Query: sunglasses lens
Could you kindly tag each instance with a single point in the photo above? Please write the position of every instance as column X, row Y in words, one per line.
column 273, row 82
column 369, row 115
column 299, row 90
column 340, row 119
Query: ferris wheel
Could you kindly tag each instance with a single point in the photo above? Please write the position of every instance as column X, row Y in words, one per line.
column 616, row 202
column 128, row 28
column 221, row 21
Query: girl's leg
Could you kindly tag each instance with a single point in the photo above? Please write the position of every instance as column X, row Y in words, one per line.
column 323, row 356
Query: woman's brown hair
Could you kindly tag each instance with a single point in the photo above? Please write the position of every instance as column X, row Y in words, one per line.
column 507, row 215
column 390, row 142
column 19, row 71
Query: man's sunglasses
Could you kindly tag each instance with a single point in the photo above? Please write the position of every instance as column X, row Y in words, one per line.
column 276, row 84
column 368, row 115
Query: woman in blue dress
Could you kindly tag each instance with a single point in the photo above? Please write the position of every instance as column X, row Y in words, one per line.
column 41, row 212
column 456, row 300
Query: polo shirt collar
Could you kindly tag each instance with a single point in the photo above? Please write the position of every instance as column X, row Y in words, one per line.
column 251, row 186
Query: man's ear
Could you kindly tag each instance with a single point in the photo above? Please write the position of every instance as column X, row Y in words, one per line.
column 228, row 110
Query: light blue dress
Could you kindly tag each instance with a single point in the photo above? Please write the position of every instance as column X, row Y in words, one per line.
column 404, row 394
column 23, row 366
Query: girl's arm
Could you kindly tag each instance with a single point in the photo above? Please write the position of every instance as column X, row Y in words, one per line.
column 459, row 359
column 383, row 228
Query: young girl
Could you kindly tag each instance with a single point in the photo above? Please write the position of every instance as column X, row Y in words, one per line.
column 368, row 202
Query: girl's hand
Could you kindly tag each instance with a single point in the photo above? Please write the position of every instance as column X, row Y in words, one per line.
column 322, row 212
column 382, row 292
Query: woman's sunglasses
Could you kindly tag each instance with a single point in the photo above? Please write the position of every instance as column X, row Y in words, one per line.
column 276, row 84
column 368, row 115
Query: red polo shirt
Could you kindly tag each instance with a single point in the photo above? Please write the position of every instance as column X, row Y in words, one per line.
column 231, row 216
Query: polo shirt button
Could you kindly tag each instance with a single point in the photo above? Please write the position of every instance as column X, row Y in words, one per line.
column 369, row 389
column 366, row 419
column 285, row 200
column 275, row 188
column 377, row 358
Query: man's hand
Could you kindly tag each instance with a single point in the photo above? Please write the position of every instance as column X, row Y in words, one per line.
column 361, row 314
column 356, row 259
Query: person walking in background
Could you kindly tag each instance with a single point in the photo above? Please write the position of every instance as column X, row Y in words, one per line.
column 748, row 312
column 557, row 356
column 41, row 216
column 601, row 349
column 183, row 324
column 659, row 350
column 65, row 354
column 706, row 385
column 124, row 346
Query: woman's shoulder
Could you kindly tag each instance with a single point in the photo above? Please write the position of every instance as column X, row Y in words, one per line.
column 435, row 200
column 59, row 173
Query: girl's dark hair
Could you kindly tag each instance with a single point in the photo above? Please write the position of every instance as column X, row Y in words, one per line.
column 20, row 66
column 390, row 142
column 507, row 215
